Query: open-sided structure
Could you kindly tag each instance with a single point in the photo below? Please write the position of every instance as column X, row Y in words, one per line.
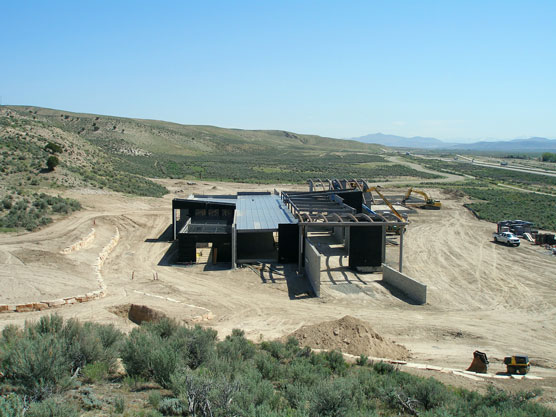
column 273, row 227
column 242, row 228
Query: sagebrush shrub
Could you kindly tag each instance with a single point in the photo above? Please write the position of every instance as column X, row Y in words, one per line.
column 335, row 361
column 383, row 368
column 156, row 350
column 95, row 372
column 429, row 393
column 163, row 363
column 119, row 405
column 138, row 350
column 51, row 408
column 329, row 399
column 154, row 399
column 164, row 328
column 172, row 407
column 236, row 346
column 203, row 394
column 268, row 366
column 42, row 358
column 254, row 391
column 301, row 370
column 276, row 349
column 199, row 343
column 52, row 324
column 11, row 406
column 38, row 364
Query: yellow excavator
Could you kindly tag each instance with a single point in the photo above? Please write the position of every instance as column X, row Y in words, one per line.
column 429, row 202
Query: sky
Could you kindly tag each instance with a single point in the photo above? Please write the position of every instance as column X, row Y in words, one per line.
column 455, row 70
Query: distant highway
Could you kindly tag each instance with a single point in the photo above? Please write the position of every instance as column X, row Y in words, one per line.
column 468, row 160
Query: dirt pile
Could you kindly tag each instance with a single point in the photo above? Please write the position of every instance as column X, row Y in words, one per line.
column 349, row 335
column 137, row 313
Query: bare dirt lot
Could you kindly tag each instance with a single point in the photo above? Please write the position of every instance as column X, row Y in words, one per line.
column 481, row 295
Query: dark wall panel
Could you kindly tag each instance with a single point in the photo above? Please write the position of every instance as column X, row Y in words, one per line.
column 365, row 246
column 288, row 243
column 353, row 199
column 256, row 245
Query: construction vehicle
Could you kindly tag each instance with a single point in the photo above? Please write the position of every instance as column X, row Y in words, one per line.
column 517, row 364
column 480, row 363
column 506, row 237
column 429, row 202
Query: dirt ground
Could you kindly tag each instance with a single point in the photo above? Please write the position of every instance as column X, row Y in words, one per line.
column 481, row 295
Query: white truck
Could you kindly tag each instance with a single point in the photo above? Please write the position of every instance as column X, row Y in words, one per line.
column 506, row 237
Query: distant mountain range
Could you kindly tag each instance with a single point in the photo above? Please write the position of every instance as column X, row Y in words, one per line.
column 516, row 145
column 400, row 141
column 534, row 144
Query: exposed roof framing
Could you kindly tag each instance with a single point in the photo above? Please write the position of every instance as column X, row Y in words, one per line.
column 326, row 206
column 338, row 184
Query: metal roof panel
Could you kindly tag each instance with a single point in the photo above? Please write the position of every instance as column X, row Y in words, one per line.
column 261, row 212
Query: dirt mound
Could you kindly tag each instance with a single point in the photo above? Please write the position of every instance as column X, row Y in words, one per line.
column 137, row 313
column 349, row 335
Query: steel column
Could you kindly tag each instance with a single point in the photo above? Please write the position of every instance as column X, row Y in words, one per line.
column 174, row 223
column 400, row 264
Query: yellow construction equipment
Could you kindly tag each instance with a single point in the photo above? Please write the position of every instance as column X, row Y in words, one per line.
column 429, row 202
column 517, row 364
column 390, row 206
column 480, row 363
column 363, row 186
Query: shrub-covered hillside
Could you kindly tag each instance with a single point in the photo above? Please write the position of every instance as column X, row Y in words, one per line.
column 36, row 154
column 57, row 368
column 33, row 211
column 121, row 153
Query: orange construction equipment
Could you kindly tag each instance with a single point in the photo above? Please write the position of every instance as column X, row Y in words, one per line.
column 479, row 364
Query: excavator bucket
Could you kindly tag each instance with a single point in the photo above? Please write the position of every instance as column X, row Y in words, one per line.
column 480, row 363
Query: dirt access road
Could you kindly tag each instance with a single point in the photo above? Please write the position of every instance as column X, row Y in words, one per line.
column 481, row 295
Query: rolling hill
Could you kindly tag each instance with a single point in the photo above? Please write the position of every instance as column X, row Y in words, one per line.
column 127, row 155
column 173, row 138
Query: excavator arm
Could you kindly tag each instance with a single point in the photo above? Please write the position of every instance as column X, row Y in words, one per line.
column 390, row 206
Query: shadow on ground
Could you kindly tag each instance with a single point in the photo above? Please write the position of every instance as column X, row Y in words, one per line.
column 274, row 273
column 397, row 293
column 166, row 236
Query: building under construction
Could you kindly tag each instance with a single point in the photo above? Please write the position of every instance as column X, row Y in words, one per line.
column 283, row 227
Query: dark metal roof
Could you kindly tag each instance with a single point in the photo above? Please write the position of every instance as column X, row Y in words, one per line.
column 202, row 203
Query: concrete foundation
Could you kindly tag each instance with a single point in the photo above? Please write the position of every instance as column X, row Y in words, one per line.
column 413, row 289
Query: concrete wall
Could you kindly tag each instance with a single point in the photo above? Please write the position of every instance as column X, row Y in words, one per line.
column 413, row 289
column 312, row 266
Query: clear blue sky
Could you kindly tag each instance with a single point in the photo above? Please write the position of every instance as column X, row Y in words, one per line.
column 468, row 69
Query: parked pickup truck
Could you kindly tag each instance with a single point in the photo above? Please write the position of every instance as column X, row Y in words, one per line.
column 506, row 237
